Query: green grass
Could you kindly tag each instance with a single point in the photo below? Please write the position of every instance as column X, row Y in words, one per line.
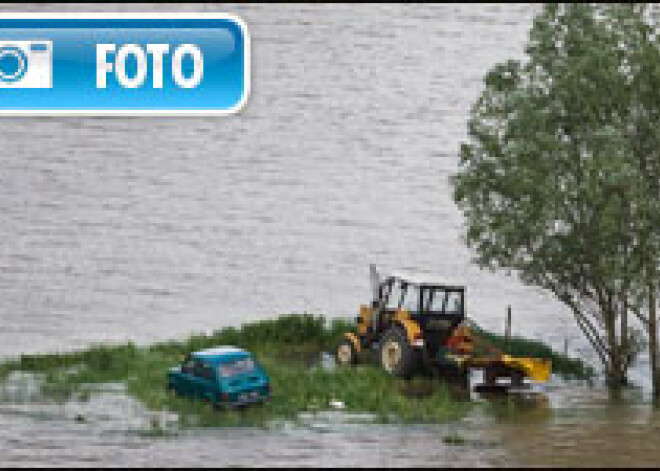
column 288, row 347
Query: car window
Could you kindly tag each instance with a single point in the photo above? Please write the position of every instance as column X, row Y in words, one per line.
column 203, row 370
column 236, row 367
column 188, row 366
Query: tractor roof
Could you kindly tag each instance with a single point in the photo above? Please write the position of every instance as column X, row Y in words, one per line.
column 426, row 279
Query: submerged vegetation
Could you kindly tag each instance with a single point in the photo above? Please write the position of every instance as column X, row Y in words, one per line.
column 290, row 349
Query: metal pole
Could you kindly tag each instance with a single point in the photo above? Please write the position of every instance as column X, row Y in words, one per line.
column 507, row 328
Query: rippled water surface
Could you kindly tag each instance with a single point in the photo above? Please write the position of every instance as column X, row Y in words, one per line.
column 147, row 229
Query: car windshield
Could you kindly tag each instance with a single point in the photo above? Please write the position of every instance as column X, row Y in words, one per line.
column 236, row 367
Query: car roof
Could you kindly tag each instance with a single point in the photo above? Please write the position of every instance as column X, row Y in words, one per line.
column 427, row 279
column 217, row 353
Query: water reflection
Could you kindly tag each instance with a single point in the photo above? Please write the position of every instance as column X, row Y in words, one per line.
column 528, row 408
column 579, row 426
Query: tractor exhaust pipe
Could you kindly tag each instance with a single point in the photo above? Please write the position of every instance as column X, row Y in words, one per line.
column 374, row 277
column 375, row 283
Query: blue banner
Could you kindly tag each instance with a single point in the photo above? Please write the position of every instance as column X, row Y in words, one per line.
column 123, row 64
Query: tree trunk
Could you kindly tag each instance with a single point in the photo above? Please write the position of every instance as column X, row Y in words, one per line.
column 653, row 345
column 615, row 368
column 624, row 336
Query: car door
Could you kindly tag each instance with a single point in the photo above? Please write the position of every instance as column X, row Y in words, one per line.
column 204, row 381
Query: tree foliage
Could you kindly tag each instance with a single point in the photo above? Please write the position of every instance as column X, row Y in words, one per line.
column 559, row 177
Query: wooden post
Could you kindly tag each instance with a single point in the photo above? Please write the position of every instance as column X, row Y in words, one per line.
column 507, row 328
column 653, row 345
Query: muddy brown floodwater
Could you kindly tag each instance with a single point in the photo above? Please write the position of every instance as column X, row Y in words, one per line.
column 148, row 229
column 564, row 424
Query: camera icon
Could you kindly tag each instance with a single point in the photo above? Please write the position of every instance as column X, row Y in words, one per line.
column 26, row 64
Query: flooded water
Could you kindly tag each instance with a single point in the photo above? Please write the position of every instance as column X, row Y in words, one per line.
column 579, row 427
column 567, row 425
column 147, row 229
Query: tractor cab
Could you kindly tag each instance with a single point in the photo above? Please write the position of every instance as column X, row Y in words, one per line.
column 435, row 304
column 423, row 305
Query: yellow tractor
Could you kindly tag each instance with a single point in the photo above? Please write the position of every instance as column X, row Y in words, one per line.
column 416, row 323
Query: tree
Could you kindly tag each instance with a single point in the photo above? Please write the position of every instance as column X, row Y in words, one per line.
column 644, row 133
column 559, row 177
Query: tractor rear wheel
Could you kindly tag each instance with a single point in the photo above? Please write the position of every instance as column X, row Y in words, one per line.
column 397, row 356
column 346, row 354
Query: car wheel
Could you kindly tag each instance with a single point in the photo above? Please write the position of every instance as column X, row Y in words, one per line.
column 345, row 353
column 397, row 356
column 172, row 390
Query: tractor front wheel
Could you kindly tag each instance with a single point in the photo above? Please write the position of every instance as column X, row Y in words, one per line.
column 346, row 354
column 397, row 356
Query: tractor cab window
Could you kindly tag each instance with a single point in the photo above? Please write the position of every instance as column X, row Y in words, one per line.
column 394, row 298
column 411, row 299
column 429, row 300
column 384, row 294
column 441, row 301
column 434, row 300
column 454, row 304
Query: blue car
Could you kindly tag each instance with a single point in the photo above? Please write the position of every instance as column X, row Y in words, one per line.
column 222, row 376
